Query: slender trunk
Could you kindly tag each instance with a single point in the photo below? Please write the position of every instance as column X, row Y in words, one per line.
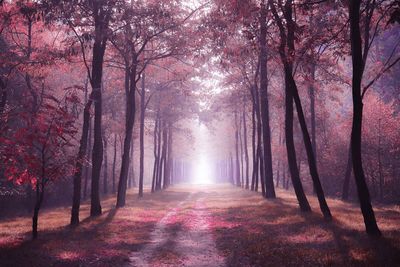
column 130, row 86
column 253, row 146
column 347, row 176
column 269, row 179
column 169, row 159
column 131, row 172
column 88, row 168
column 155, row 167
column 241, row 152
column 99, row 48
column 358, row 67
column 290, row 147
column 164, row 157
column 105, row 178
column 231, row 171
column 237, row 165
column 310, row 154
column 246, row 152
column 300, row 114
column 142, row 116
column 76, row 199
column 381, row 178
column 114, row 163
column 311, row 92
column 159, row 171
column 38, row 205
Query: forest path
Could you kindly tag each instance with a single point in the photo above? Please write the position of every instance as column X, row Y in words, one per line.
column 181, row 238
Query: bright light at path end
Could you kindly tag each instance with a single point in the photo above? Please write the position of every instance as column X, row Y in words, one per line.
column 202, row 171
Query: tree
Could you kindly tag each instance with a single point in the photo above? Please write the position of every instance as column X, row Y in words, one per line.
column 358, row 68
column 36, row 154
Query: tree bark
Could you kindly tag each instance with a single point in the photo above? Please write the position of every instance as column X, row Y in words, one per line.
column 347, row 176
column 237, row 165
column 130, row 83
column 38, row 205
column 105, row 177
column 76, row 198
column 114, row 163
column 142, row 116
column 269, row 179
column 254, row 175
column 155, row 167
column 99, row 47
column 246, row 152
column 358, row 69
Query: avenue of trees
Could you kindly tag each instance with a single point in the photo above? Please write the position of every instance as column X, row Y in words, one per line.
column 97, row 96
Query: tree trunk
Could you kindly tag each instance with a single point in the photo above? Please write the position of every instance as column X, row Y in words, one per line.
column 105, row 178
column 269, row 179
column 142, row 116
column 358, row 68
column 130, row 82
column 88, row 168
column 159, row 171
column 231, row 171
column 114, row 163
column 164, row 156
column 76, row 199
column 99, row 48
column 346, row 182
column 38, row 205
column 310, row 154
column 253, row 146
column 155, row 167
column 311, row 92
column 241, row 152
column 290, row 147
column 237, row 165
column 246, row 153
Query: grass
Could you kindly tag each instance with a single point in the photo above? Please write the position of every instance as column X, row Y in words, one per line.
column 248, row 230
column 252, row 231
column 106, row 240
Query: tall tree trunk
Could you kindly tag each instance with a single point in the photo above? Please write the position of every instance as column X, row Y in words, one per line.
column 269, row 179
column 310, row 154
column 142, row 116
column 169, row 158
column 287, row 40
column 237, row 164
column 88, row 168
column 311, row 92
column 155, row 167
column 241, row 151
column 231, row 171
column 130, row 83
column 76, row 198
column 358, row 68
column 300, row 114
column 290, row 147
column 163, row 155
column 347, row 176
column 105, row 178
column 99, row 47
column 159, row 171
column 114, row 163
column 246, row 152
column 253, row 146
column 131, row 172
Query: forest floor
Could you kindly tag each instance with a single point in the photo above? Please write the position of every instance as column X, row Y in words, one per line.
column 214, row 225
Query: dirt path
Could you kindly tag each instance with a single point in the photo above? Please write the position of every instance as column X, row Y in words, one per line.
column 181, row 238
